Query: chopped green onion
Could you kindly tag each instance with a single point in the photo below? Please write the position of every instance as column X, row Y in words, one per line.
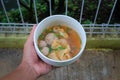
column 60, row 48
column 50, row 49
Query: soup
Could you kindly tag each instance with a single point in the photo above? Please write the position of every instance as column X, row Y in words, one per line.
column 59, row 42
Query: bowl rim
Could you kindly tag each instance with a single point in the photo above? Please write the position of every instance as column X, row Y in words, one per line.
column 36, row 45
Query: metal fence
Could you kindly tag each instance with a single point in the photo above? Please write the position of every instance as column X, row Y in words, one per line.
column 93, row 30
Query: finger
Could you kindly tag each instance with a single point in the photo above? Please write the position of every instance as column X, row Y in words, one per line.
column 32, row 31
column 30, row 38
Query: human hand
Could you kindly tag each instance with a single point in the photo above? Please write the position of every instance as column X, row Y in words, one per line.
column 31, row 59
column 31, row 66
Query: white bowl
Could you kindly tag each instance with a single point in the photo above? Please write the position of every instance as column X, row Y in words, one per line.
column 55, row 20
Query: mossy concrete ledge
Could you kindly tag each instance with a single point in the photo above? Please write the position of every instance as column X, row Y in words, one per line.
column 107, row 43
column 12, row 42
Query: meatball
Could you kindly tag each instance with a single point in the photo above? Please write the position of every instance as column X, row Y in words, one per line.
column 50, row 38
column 63, row 41
column 42, row 43
column 45, row 50
column 58, row 29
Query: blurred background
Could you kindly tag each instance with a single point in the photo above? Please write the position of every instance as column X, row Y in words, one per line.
column 59, row 7
column 99, row 18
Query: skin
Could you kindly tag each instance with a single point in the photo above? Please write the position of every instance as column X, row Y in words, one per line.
column 31, row 66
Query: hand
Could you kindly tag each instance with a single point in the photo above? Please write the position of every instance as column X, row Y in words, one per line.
column 31, row 59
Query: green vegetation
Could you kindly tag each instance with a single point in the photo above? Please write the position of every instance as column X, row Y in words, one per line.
column 58, row 7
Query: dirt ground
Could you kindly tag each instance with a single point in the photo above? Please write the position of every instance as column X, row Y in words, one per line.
column 94, row 64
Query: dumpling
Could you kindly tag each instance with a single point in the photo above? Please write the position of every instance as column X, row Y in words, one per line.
column 66, row 56
column 58, row 29
column 55, row 44
column 63, row 42
column 61, row 53
column 63, row 34
column 53, row 56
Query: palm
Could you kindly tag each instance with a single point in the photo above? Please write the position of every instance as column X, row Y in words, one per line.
column 32, row 59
